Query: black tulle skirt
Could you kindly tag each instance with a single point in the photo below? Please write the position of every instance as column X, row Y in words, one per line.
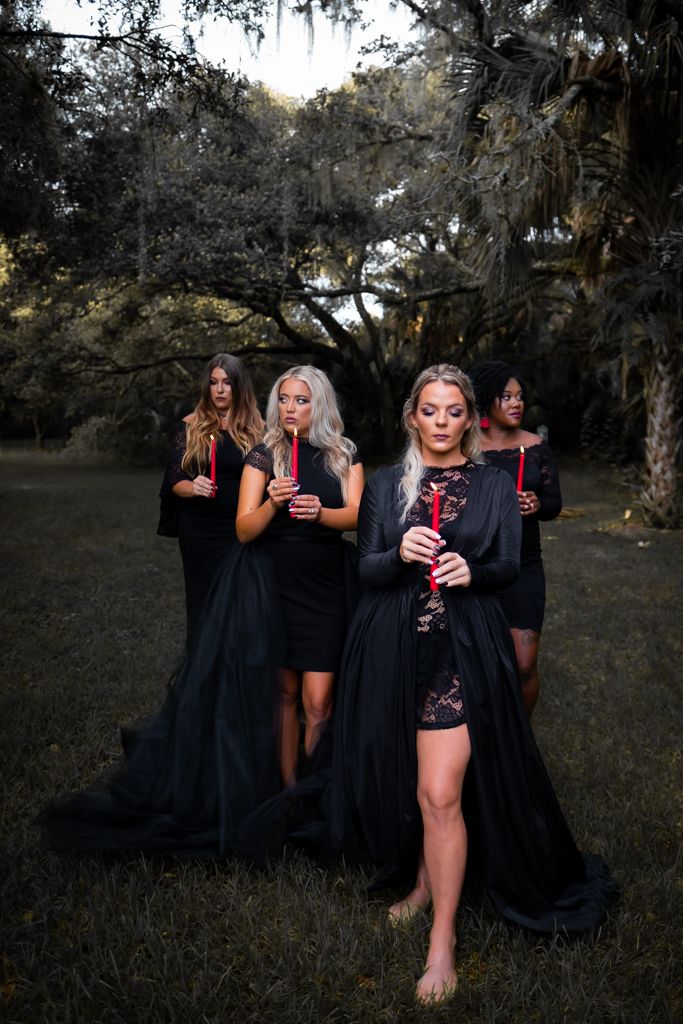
column 195, row 768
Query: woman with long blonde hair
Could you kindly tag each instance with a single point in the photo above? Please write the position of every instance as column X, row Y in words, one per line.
column 429, row 690
column 227, row 414
column 302, row 522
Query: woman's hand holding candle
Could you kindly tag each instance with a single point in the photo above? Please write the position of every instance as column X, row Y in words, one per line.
column 282, row 490
column 452, row 571
column 420, row 544
column 305, row 506
column 529, row 503
column 202, row 488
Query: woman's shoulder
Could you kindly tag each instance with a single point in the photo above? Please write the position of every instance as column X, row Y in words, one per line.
column 190, row 418
column 493, row 477
column 260, row 457
column 384, row 477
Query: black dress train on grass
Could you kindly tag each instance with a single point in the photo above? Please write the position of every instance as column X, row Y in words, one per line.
column 209, row 756
column 196, row 767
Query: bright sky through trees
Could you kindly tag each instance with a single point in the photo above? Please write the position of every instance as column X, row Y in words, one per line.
column 290, row 63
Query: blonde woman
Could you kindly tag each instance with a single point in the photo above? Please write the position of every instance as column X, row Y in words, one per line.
column 206, row 512
column 302, row 524
column 429, row 690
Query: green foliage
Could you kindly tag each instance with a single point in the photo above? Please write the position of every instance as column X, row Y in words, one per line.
column 505, row 186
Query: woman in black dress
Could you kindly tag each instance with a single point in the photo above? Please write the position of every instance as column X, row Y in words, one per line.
column 302, row 523
column 226, row 411
column 428, row 688
column 500, row 393
column 209, row 754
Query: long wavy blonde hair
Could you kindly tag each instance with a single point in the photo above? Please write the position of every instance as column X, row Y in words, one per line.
column 413, row 462
column 245, row 424
column 325, row 430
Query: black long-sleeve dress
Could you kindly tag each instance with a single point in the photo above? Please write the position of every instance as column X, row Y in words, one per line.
column 523, row 601
column 532, row 869
column 206, row 526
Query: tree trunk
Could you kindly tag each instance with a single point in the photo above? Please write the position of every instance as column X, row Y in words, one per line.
column 659, row 496
column 388, row 416
column 38, row 431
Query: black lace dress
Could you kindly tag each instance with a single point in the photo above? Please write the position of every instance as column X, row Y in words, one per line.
column 439, row 696
column 310, row 563
column 206, row 526
column 524, row 601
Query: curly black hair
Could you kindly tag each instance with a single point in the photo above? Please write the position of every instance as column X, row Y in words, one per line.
column 489, row 380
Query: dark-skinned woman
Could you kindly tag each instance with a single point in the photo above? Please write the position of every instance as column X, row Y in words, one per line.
column 500, row 393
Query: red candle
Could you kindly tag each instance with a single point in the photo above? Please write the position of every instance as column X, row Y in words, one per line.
column 520, row 471
column 295, row 464
column 212, row 472
column 436, row 509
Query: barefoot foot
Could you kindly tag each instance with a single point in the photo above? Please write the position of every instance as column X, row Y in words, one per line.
column 405, row 910
column 438, row 983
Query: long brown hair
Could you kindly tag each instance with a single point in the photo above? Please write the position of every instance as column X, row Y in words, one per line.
column 245, row 425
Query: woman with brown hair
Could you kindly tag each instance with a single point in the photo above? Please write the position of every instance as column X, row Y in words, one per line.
column 227, row 414
column 209, row 754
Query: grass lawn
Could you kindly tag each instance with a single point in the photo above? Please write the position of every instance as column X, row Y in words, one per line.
column 92, row 617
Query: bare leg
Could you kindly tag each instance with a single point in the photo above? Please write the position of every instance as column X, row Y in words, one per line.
column 289, row 724
column 416, row 900
column 442, row 757
column 316, row 697
column 526, row 643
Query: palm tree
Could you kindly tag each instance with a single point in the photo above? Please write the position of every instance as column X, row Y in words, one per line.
column 568, row 140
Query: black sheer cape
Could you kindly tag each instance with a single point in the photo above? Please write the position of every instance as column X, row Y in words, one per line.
column 363, row 805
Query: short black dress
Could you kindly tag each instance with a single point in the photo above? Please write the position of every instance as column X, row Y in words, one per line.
column 524, row 601
column 311, row 567
column 206, row 526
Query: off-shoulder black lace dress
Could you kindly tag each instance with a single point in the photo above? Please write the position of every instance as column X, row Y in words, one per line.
column 524, row 602
column 310, row 563
column 206, row 526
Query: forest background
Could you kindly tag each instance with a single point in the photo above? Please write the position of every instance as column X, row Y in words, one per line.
column 507, row 181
